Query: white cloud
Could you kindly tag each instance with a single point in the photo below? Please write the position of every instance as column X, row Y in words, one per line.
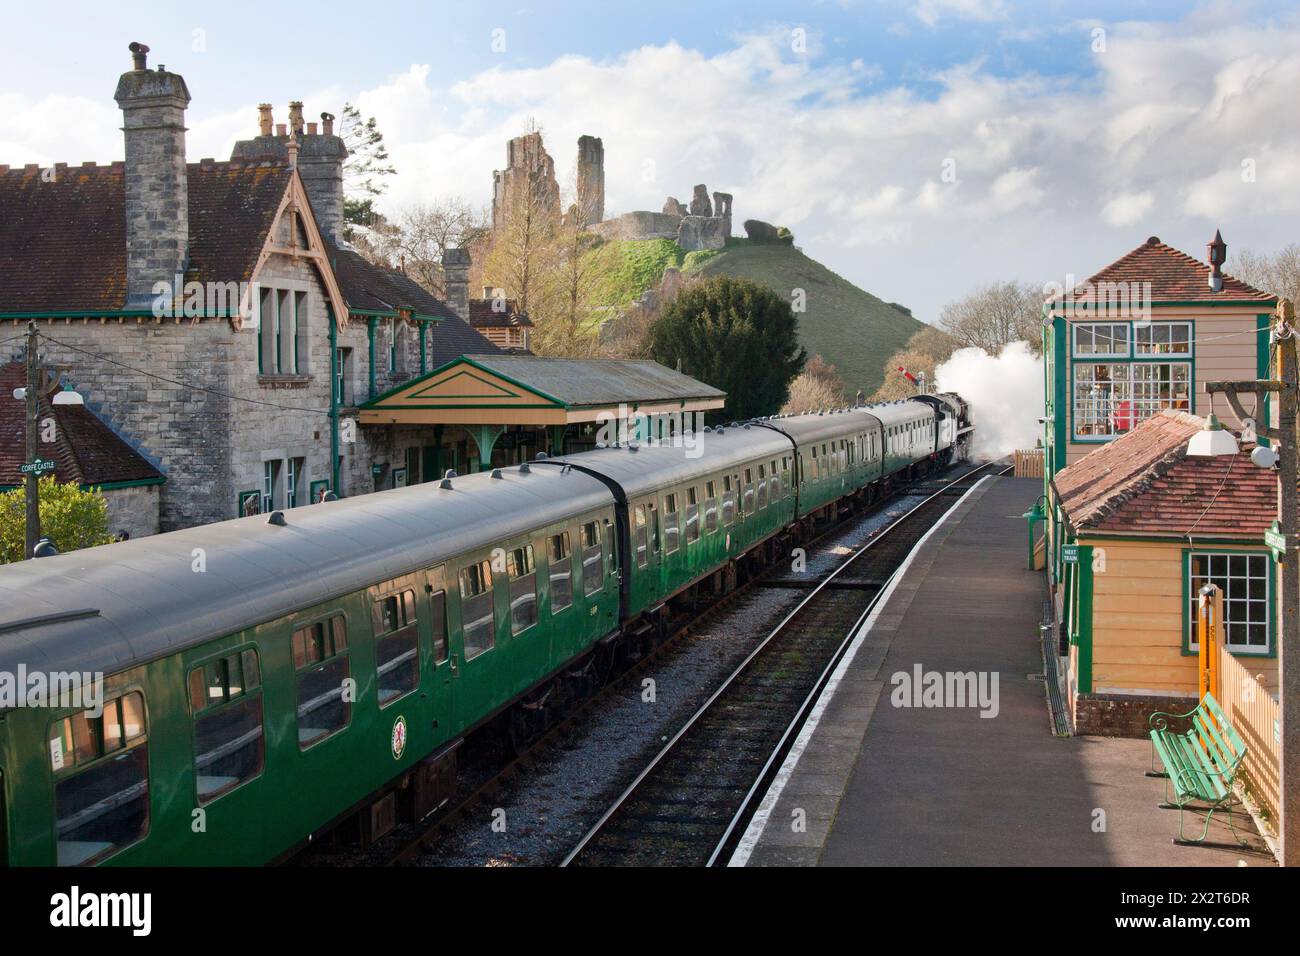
column 1127, row 209
column 1053, row 174
column 931, row 12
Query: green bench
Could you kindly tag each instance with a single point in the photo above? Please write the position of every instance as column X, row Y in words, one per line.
column 1200, row 764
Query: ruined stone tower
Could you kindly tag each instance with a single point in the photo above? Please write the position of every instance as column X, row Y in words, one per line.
column 529, row 178
column 157, row 189
column 591, row 179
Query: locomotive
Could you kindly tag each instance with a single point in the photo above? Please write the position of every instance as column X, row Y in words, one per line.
column 324, row 664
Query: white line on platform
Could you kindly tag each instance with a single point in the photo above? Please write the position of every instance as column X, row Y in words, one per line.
column 759, row 823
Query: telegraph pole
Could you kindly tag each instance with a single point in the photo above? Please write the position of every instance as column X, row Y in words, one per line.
column 1285, row 386
column 32, row 397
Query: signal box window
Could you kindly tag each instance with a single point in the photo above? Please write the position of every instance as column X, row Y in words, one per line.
column 523, row 588
column 561, row 572
column 592, row 562
column 477, row 613
column 101, row 781
column 226, row 699
column 692, row 516
column 320, row 657
column 672, row 528
column 397, row 645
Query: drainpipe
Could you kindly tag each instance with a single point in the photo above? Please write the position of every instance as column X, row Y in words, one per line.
column 334, row 400
column 370, row 334
column 424, row 334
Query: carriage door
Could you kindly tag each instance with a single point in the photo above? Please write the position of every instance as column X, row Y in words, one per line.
column 645, row 553
column 443, row 686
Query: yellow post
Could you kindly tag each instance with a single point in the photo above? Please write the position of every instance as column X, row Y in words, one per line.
column 1209, row 614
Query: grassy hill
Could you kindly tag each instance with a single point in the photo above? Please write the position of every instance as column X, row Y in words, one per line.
column 852, row 329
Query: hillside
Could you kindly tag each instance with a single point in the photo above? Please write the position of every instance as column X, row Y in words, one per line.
column 852, row 329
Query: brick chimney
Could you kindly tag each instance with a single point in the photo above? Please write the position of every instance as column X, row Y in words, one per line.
column 157, row 195
column 455, row 278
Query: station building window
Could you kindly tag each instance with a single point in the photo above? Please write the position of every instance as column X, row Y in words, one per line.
column 101, row 780
column 1245, row 580
column 320, row 658
column 477, row 612
column 592, row 560
column 226, row 701
column 561, row 563
column 397, row 645
column 523, row 588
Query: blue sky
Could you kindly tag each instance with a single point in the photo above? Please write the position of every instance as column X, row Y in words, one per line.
column 1066, row 155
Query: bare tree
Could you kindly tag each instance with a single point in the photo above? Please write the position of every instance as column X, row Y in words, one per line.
column 926, row 350
column 523, row 246
column 1278, row 272
column 424, row 232
column 564, row 310
column 995, row 315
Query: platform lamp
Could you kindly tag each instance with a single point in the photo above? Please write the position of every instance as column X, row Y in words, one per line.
column 1284, row 458
column 1033, row 516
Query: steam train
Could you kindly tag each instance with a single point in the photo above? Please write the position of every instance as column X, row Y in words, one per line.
column 321, row 667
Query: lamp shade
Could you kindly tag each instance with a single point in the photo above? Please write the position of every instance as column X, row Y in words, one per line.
column 1212, row 440
column 68, row 398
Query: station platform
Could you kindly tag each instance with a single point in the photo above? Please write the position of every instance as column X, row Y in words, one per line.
column 871, row 782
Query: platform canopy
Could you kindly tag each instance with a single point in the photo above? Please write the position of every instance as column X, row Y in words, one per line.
column 534, row 390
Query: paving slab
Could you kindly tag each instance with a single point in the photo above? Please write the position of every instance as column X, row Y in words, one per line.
column 877, row 783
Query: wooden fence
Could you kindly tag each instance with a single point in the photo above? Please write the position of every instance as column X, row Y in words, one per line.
column 1029, row 464
column 1252, row 708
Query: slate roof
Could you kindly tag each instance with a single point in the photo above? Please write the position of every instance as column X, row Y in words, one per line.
column 483, row 316
column 375, row 289
column 63, row 242
column 1144, row 482
column 579, row 382
column 85, row 450
column 1174, row 276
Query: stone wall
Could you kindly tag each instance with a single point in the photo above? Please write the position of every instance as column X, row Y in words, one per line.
column 639, row 225
column 133, row 510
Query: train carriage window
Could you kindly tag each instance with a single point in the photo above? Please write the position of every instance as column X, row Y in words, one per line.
column 320, row 656
column 226, row 703
column 397, row 646
column 692, row 516
column 438, row 626
column 592, row 562
column 728, row 500
column 523, row 588
column 478, row 620
column 762, row 486
column 747, row 493
column 641, row 537
column 101, row 780
column 710, row 507
column 561, row 562
column 672, row 530
column 815, row 464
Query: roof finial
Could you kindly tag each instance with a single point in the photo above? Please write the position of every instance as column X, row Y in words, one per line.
column 1218, row 254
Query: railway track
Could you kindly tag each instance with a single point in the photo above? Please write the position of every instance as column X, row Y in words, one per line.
column 483, row 782
column 692, row 802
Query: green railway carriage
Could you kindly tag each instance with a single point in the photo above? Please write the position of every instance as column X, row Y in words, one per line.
column 269, row 677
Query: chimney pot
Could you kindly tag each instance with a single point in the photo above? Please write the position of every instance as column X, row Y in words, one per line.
column 139, row 56
column 295, row 116
column 264, row 119
column 281, row 129
column 311, row 129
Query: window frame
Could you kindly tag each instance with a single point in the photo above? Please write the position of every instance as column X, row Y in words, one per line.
column 210, row 709
column 395, row 590
column 1191, row 646
column 567, row 560
column 327, row 619
column 512, row 577
column 490, row 590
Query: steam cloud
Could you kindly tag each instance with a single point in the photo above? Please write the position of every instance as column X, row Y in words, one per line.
column 1005, row 393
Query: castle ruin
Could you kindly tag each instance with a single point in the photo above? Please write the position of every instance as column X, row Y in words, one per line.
column 529, row 176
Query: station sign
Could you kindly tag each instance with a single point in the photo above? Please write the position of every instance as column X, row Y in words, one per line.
column 1069, row 554
column 38, row 467
column 1276, row 540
